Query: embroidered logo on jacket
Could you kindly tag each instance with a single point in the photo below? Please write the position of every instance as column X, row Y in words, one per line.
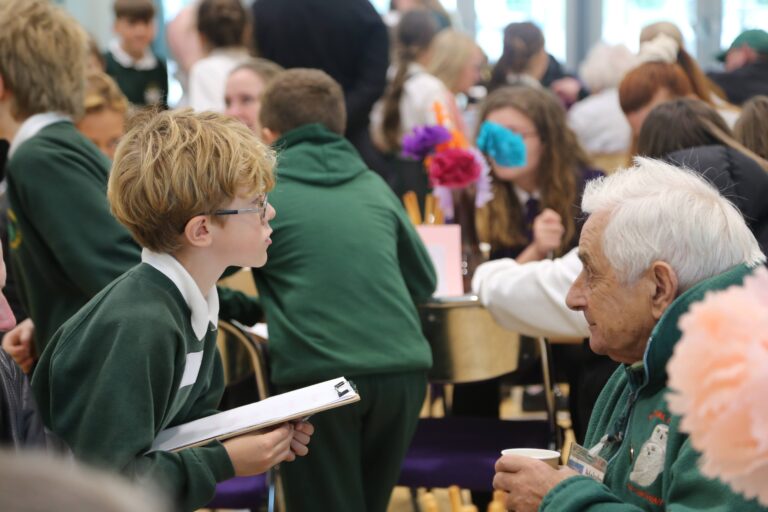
column 650, row 461
column 14, row 234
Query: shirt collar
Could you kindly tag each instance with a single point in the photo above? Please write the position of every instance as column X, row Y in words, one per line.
column 524, row 196
column 204, row 310
column 147, row 61
column 31, row 126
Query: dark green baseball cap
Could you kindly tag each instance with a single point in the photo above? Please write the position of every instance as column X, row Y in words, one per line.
column 754, row 38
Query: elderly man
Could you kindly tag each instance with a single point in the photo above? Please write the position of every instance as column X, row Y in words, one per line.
column 656, row 240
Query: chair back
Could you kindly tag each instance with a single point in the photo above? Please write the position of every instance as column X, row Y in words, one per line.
column 467, row 346
column 244, row 357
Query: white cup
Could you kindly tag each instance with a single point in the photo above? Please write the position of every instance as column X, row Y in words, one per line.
column 551, row 457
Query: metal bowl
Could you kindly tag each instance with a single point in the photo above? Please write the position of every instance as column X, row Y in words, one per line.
column 467, row 343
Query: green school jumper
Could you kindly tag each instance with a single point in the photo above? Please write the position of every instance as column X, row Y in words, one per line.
column 345, row 272
column 651, row 463
column 65, row 244
column 140, row 86
column 126, row 366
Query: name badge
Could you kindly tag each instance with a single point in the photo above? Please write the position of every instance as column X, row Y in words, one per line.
column 586, row 464
column 191, row 368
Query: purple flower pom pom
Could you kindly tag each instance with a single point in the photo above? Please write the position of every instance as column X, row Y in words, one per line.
column 423, row 139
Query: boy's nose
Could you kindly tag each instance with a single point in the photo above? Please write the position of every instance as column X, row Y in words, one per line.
column 7, row 318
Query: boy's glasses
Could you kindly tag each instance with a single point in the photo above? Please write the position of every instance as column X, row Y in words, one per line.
column 261, row 209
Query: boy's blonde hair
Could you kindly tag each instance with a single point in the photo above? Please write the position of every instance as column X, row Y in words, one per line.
column 101, row 92
column 174, row 165
column 42, row 58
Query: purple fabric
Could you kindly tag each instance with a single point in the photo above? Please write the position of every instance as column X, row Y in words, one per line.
column 423, row 139
column 240, row 492
column 463, row 450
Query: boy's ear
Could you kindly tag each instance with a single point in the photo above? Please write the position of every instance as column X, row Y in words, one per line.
column 268, row 136
column 197, row 232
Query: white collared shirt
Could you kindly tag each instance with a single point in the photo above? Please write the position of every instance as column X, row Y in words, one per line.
column 205, row 309
column 31, row 126
column 146, row 62
column 524, row 196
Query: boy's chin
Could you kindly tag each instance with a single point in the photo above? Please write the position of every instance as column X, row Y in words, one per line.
column 259, row 262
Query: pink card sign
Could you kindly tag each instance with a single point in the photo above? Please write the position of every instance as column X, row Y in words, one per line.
column 443, row 242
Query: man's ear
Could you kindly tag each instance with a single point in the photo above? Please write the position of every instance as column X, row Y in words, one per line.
column 268, row 136
column 664, row 279
column 197, row 232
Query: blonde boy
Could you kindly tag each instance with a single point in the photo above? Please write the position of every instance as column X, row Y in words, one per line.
column 141, row 355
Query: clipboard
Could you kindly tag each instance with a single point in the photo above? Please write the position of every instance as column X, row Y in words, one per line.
column 293, row 405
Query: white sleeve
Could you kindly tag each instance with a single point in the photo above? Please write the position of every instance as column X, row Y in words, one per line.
column 530, row 298
column 206, row 87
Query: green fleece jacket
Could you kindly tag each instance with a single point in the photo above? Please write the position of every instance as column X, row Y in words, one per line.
column 651, row 463
column 346, row 268
column 65, row 244
column 126, row 366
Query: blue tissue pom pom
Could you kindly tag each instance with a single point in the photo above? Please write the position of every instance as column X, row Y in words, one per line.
column 506, row 147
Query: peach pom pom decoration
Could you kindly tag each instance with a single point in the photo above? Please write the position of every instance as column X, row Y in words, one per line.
column 719, row 381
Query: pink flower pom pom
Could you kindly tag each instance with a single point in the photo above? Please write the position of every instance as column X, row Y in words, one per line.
column 453, row 168
column 719, row 377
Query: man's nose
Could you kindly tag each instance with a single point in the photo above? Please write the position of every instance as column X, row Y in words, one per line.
column 575, row 298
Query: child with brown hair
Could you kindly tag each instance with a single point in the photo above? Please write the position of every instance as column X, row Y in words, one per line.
column 191, row 189
column 141, row 75
column 533, row 211
column 340, row 291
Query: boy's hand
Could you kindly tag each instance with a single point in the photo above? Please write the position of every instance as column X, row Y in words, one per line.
column 302, row 431
column 255, row 453
column 18, row 343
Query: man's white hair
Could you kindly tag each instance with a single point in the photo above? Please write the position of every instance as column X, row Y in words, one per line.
column 662, row 212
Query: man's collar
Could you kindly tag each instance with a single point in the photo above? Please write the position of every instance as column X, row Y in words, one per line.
column 146, row 62
column 666, row 332
column 204, row 309
column 31, row 126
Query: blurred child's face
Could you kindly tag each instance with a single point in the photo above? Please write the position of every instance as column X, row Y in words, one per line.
column 245, row 236
column 242, row 97
column 104, row 128
column 470, row 73
column 525, row 176
column 135, row 35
